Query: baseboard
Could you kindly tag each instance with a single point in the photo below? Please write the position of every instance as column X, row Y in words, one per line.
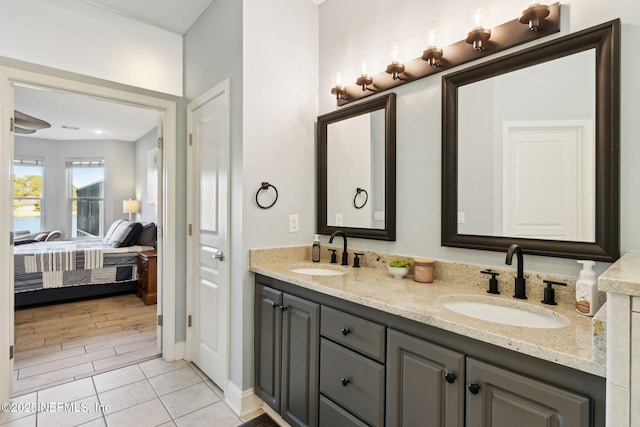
column 241, row 402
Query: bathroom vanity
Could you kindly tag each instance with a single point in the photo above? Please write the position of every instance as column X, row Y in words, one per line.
column 363, row 348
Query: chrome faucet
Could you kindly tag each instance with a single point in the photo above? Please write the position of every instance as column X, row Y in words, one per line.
column 345, row 255
column 520, row 282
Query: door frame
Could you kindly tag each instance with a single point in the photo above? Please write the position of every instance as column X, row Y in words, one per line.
column 167, row 234
column 221, row 89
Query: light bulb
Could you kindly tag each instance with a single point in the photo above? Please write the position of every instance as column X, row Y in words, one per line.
column 395, row 54
column 477, row 18
column 363, row 67
column 338, row 79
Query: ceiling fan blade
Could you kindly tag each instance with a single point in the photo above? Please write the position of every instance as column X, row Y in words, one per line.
column 21, row 130
column 28, row 122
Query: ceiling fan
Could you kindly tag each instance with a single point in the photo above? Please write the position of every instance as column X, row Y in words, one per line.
column 26, row 124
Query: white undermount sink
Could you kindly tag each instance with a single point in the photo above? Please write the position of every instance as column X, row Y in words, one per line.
column 317, row 270
column 506, row 312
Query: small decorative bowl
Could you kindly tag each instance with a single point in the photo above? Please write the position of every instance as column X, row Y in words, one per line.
column 398, row 272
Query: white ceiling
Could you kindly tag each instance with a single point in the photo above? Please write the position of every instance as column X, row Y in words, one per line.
column 66, row 111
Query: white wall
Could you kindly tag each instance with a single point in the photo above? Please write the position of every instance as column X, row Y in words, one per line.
column 149, row 141
column 280, row 105
column 419, row 111
column 213, row 52
column 119, row 175
column 271, row 60
column 77, row 37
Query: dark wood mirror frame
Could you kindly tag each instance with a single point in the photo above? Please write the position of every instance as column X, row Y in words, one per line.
column 388, row 103
column 605, row 39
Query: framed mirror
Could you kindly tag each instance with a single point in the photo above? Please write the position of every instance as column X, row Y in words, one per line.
column 530, row 149
column 356, row 170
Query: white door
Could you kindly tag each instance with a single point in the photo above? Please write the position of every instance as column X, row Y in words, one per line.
column 549, row 180
column 208, row 207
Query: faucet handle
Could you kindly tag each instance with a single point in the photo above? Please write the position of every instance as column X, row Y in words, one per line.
column 550, row 293
column 493, row 282
column 334, row 258
column 356, row 260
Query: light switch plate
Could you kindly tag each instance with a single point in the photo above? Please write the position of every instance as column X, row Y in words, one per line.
column 338, row 220
column 294, row 226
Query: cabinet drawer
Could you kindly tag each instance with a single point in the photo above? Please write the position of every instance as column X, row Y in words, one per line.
column 358, row 334
column 332, row 415
column 352, row 381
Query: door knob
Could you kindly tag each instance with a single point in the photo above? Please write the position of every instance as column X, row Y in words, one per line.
column 218, row 255
column 474, row 388
column 346, row 331
column 450, row 378
column 345, row 381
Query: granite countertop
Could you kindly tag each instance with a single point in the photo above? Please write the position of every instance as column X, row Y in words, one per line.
column 571, row 346
column 623, row 277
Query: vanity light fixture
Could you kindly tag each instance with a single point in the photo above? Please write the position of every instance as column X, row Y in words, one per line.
column 433, row 53
column 395, row 68
column 364, row 80
column 485, row 37
column 339, row 90
column 479, row 35
column 533, row 15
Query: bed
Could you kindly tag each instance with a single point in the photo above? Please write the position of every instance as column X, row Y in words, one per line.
column 61, row 270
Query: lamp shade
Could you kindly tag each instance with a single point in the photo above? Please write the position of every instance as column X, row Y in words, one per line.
column 131, row 206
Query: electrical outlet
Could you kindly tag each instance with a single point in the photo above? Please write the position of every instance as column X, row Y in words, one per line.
column 460, row 217
column 338, row 220
column 294, row 226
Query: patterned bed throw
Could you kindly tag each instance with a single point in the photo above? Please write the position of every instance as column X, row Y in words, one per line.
column 62, row 263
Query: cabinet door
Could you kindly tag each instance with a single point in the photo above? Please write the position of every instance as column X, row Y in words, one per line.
column 268, row 345
column 300, row 336
column 501, row 398
column 425, row 383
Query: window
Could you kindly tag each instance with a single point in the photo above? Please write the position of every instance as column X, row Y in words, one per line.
column 27, row 195
column 86, row 180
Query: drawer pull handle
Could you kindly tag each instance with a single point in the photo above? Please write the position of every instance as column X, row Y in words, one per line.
column 346, row 331
column 474, row 388
column 450, row 378
column 345, row 381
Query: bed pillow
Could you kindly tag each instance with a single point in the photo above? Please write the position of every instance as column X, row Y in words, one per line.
column 112, row 229
column 148, row 235
column 125, row 234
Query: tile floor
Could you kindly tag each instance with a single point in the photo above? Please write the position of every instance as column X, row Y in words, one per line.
column 151, row 393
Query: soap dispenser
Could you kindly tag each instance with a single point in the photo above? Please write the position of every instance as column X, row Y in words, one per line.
column 315, row 249
column 587, row 296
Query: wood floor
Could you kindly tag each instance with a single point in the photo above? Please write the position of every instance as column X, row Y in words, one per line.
column 63, row 342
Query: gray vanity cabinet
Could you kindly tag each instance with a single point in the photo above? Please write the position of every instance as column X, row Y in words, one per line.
column 322, row 361
column 425, row 383
column 286, row 366
column 500, row 398
column 352, row 370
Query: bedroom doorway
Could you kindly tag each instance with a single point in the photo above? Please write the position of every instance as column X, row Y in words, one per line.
column 165, row 116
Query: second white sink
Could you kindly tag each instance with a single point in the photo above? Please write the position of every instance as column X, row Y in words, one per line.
column 506, row 312
column 316, row 270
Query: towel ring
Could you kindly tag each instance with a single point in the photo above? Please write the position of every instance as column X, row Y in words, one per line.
column 366, row 199
column 265, row 186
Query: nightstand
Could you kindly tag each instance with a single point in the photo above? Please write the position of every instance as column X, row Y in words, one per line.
column 147, row 276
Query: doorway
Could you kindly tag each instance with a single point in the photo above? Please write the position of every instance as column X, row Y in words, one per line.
column 166, row 109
